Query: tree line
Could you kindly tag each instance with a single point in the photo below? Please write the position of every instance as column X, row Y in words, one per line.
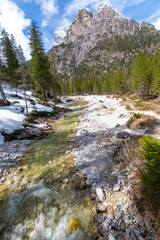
column 39, row 73
column 142, row 77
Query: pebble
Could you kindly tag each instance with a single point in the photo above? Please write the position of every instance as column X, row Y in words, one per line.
column 101, row 208
column 116, row 187
column 100, row 194
column 110, row 237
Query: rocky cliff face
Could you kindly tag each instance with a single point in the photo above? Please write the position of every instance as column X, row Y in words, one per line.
column 87, row 31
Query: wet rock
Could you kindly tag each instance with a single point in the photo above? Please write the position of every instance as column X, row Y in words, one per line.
column 110, row 216
column 80, row 185
column 101, row 208
column 73, row 225
column 66, row 180
column 32, row 234
column 110, row 237
column 121, row 237
column 20, row 169
column 118, row 125
column 123, row 135
column 93, row 196
column 82, row 132
column 100, row 194
column 88, row 184
column 122, row 226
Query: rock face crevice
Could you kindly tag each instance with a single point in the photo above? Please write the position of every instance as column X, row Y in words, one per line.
column 87, row 30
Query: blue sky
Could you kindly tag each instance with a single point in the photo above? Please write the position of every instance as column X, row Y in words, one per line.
column 57, row 15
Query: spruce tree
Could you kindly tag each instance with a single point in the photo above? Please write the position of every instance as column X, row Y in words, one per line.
column 40, row 67
column 10, row 58
column 139, row 74
column 23, row 72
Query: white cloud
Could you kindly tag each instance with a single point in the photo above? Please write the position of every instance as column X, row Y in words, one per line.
column 154, row 15
column 62, row 28
column 48, row 9
column 157, row 24
column 74, row 5
column 13, row 20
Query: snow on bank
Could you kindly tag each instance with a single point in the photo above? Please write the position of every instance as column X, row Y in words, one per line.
column 11, row 117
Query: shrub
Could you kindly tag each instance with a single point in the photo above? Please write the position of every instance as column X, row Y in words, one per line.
column 35, row 114
column 150, row 149
column 124, row 99
column 16, row 102
column 141, row 105
column 137, row 115
column 128, row 107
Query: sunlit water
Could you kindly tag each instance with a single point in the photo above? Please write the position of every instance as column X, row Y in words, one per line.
column 39, row 202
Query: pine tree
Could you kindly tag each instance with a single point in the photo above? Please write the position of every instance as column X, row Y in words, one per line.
column 156, row 74
column 139, row 74
column 10, row 58
column 23, row 71
column 54, row 74
column 40, row 67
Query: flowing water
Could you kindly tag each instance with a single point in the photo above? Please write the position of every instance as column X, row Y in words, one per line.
column 41, row 201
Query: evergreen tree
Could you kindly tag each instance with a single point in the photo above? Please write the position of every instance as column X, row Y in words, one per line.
column 23, row 72
column 139, row 74
column 10, row 58
column 156, row 74
column 40, row 67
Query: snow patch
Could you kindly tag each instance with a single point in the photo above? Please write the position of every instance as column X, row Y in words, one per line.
column 11, row 117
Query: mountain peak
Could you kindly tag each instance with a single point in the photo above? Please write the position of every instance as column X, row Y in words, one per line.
column 105, row 4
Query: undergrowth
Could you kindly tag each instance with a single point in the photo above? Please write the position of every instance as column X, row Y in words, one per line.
column 150, row 150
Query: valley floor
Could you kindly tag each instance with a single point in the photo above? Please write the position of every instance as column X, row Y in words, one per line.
column 101, row 133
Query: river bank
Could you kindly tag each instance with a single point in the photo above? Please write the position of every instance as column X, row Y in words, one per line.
column 20, row 141
column 113, row 181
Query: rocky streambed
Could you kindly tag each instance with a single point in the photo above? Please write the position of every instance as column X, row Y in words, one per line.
column 74, row 184
column 20, row 141
column 101, row 135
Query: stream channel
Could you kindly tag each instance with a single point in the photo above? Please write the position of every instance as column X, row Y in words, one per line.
column 39, row 200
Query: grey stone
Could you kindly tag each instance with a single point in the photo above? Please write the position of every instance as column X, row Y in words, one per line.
column 100, row 194
column 116, row 187
column 82, row 132
column 110, row 237
column 101, row 208
column 123, row 135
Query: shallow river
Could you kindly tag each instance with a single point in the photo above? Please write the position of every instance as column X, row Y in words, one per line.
column 40, row 200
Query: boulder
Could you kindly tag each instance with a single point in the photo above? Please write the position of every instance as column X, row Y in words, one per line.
column 123, row 135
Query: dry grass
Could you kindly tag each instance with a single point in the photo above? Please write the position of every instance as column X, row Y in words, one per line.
column 142, row 122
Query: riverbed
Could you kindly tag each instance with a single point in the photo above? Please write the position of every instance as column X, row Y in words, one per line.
column 40, row 200
column 73, row 185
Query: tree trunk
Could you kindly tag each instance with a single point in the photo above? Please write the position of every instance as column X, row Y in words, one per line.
column 25, row 96
column 46, row 95
column 3, row 95
column 43, row 97
column 16, row 91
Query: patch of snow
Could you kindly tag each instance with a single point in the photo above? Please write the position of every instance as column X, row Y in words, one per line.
column 11, row 117
column 87, row 9
column 108, row 5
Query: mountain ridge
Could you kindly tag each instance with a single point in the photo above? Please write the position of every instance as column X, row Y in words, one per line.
column 88, row 29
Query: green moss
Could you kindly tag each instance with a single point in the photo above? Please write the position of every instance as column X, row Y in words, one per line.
column 11, row 136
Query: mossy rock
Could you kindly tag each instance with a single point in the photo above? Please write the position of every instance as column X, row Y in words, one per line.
column 73, row 225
